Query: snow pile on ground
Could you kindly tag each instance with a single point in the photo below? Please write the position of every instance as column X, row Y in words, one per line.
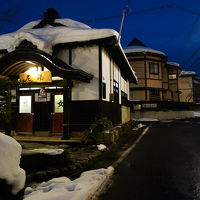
column 140, row 125
column 196, row 114
column 10, row 154
column 45, row 38
column 63, row 188
column 102, row 147
column 47, row 151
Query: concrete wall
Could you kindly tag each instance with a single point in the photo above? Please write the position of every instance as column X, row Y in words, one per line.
column 160, row 115
column 186, row 89
column 125, row 114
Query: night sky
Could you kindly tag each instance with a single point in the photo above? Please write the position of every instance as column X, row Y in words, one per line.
column 171, row 26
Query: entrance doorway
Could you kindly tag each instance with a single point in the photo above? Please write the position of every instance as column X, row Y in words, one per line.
column 57, row 115
column 25, row 117
column 42, row 116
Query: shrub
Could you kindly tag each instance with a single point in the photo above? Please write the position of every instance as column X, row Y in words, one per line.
column 94, row 134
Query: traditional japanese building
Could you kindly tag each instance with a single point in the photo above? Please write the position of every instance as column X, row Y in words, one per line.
column 73, row 74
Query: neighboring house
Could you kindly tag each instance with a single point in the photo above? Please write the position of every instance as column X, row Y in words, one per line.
column 189, row 87
column 81, row 74
column 149, row 65
column 157, row 78
column 172, row 92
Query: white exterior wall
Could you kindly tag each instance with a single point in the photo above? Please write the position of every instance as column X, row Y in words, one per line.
column 123, row 84
column 86, row 59
column 117, row 77
column 106, row 73
column 63, row 54
column 111, row 76
column 127, row 89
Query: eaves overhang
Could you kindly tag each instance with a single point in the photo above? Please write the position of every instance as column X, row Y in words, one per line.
column 15, row 62
column 114, row 49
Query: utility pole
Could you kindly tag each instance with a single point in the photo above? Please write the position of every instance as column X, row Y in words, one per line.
column 123, row 15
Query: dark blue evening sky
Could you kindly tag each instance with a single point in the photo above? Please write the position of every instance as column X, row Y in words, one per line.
column 171, row 26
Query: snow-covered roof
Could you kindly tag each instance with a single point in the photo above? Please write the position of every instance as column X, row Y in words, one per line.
column 174, row 64
column 68, row 31
column 142, row 49
column 47, row 37
column 66, row 22
column 187, row 73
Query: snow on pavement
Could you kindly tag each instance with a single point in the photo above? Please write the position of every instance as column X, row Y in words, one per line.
column 145, row 119
column 63, row 188
column 196, row 114
column 140, row 125
column 46, row 151
column 10, row 154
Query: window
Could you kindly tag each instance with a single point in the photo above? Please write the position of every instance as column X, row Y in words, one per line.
column 58, row 103
column 153, row 68
column 155, row 95
column 124, row 94
column 104, row 90
column 25, row 104
column 172, row 74
column 116, row 86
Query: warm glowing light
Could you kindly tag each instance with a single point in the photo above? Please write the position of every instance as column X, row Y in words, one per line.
column 32, row 71
column 35, row 74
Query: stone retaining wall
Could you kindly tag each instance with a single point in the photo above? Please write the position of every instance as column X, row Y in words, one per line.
column 111, row 136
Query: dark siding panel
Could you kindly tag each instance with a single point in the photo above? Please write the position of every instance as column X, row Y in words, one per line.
column 112, row 111
column 84, row 113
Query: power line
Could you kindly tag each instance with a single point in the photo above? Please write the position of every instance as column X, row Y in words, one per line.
column 194, row 53
column 180, row 50
column 144, row 11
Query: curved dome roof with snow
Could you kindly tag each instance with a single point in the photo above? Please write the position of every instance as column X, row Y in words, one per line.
column 48, row 36
column 66, row 22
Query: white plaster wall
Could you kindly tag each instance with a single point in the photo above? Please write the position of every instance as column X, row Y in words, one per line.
column 116, row 72
column 123, row 84
column 106, row 75
column 125, row 114
column 87, row 59
column 127, row 89
column 63, row 54
column 112, row 75
column 117, row 77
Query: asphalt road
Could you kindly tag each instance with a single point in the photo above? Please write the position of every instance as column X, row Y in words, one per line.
column 165, row 164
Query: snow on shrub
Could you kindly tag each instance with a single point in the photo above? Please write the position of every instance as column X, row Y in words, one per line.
column 10, row 154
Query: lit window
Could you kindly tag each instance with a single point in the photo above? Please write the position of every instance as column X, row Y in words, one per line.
column 58, row 103
column 172, row 74
column 25, row 104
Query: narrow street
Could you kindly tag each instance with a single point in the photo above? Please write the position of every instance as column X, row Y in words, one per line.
column 165, row 164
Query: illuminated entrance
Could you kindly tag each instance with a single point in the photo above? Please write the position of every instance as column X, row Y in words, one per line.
column 44, row 98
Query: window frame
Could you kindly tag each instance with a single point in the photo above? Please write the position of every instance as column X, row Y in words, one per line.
column 153, row 68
